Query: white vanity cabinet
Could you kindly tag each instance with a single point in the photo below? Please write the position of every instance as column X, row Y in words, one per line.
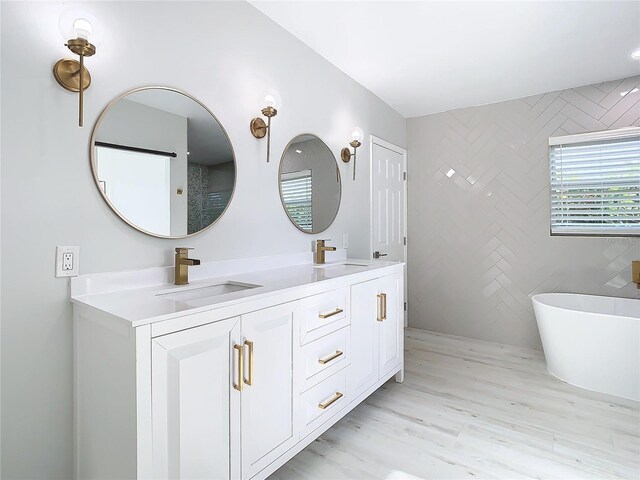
column 267, row 400
column 232, row 392
column 214, row 384
column 376, row 323
column 195, row 409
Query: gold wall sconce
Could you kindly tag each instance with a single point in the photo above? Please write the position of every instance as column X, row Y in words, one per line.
column 356, row 140
column 635, row 272
column 72, row 75
column 258, row 127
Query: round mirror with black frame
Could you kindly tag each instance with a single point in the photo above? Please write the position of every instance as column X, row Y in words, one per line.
column 310, row 185
column 163, row 162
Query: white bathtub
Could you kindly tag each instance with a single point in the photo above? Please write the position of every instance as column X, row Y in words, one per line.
column 591, row 342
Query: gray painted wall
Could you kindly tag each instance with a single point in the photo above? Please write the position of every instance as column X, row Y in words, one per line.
column 227, row 54
column 479, row 241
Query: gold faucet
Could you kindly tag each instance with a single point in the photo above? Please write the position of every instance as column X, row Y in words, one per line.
column 635, row 272
column 320, row 249
column 182, row 265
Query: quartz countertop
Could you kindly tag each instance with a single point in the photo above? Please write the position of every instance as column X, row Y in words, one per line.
column 141, row 297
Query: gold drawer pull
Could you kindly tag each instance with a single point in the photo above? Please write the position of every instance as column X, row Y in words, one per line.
column 249, row 381
column 335, row 312
column 382, row 307
column 329, row 402
column 323, row 361
column 238, row 349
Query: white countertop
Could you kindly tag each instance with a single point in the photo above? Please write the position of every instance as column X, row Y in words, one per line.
column 136, row 297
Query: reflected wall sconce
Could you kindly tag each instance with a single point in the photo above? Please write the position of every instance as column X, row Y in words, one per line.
column 258, row 127
column 72, row 75
column 356, row 140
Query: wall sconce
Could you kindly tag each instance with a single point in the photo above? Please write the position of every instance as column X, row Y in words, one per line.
column 258, row 128
column 71, row 74
column 357, row 135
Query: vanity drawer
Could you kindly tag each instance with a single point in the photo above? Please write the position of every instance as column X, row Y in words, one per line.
column 321, row 402
column 323, row 357
column 322, row 314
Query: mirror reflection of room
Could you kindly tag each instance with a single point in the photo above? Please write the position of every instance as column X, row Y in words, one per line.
column 164, row 162
column 310, row 184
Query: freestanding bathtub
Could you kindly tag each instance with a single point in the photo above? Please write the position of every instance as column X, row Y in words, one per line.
column 590, row 341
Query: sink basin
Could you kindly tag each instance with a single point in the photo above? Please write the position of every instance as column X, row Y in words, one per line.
column 201, row 294
column 339, row 270
column 342, row 265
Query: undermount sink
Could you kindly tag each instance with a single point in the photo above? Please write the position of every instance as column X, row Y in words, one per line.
column 339, row 269
column 201, row 294
column 342, row 265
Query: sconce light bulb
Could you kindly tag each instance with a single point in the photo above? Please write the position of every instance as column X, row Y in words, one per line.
column 83, row 28
column 270, row 101
column 357, row 134
column 79, row 23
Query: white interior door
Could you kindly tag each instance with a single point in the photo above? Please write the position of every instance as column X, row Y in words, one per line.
column 389, row 204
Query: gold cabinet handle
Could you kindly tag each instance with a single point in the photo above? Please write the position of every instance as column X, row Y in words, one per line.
column 335, row 312
column 238, row 349
column 382, row 307
column 329, row 402
column 249, row 381
column 324, row 361
column 384, row 304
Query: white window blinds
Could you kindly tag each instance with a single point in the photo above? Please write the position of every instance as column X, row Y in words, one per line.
column 595, row 183
column 296, row 196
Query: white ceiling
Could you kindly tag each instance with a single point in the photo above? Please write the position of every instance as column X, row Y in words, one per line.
column 423, row 57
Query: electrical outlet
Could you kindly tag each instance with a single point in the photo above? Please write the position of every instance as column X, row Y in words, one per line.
column 67, row 261
column 345, row 240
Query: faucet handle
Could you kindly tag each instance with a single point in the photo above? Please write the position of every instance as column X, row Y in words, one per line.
column 183, row 249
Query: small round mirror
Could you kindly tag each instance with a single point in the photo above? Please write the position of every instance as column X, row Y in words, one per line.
column 310, row 186
column 163, row 162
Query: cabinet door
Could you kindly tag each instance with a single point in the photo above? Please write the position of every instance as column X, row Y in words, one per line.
column 363, row 371
column 391, row 328
column 267, row 396
column 196, row 411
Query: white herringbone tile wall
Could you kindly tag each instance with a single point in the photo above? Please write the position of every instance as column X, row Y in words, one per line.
column 479, row 240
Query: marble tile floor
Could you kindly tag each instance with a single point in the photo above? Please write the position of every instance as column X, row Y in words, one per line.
column 473, row 409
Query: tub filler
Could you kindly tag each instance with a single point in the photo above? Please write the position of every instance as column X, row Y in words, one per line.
column 592, row 342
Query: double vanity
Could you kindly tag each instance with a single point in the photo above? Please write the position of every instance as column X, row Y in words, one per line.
column 233, row 374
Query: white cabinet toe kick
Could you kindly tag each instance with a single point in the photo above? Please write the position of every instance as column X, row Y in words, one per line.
column 219, row 396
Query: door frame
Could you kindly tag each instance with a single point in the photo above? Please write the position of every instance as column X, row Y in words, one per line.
column 373, row 140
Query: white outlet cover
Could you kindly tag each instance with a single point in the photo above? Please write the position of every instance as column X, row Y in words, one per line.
column 62, row 260
column 345, row 240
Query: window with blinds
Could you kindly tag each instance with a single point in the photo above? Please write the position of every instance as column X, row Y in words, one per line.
column 296, row 190
column 595, row 183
